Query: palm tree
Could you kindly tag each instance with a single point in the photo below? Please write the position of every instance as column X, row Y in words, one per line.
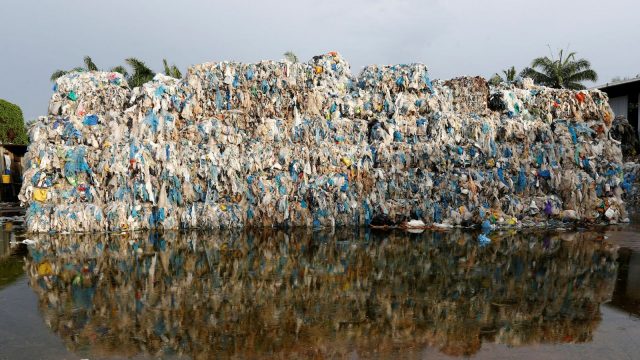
column 89, row 65
column 510, row 75
column 172, row 70
column 120, row 69
column 141, row 72
column 566, row 72
column 290, row 56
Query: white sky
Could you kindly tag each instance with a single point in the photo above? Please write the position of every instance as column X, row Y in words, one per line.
column 454, row 38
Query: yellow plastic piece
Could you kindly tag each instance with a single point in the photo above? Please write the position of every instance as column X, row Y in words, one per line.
column 40, row 194
column 44, row 269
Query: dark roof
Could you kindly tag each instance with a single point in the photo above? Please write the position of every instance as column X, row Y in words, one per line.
column 618, row 83
column 18, row 150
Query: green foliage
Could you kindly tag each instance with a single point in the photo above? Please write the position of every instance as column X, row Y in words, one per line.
column 12, row 129
column 565, row 72
column 141, row 72
column 89, row 65
column 172, row 70
column 495, row 80
column 58, row 73
column 510, row 75
column 289, row 55
column 120, row 69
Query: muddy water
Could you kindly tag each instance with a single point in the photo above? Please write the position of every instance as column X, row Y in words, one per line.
column 300, row 294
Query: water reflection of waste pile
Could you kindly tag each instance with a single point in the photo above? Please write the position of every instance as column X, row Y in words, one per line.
column 278, row 294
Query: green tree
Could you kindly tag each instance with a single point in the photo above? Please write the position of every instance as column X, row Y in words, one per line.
column 89, row 65
column 141, row 72
column 509, row 75
column 172, row 70
column 12, row 129
column 120, row 69
column 289, row 55
column 565, row 72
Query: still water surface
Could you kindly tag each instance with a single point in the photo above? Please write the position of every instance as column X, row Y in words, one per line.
column 301, row 294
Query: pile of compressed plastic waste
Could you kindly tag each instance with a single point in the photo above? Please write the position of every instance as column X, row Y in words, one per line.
column 308, row 144
column 329, row 295
column 631, row 186
column 624, row 132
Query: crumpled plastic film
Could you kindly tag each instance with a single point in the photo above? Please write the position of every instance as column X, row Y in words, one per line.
column 308, row 144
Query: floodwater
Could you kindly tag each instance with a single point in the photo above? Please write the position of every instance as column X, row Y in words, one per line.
column 301, row 294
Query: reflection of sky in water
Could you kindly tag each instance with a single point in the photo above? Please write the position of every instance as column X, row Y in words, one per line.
column 300, row 293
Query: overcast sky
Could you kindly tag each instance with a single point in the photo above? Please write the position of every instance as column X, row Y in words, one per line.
column 466, row 37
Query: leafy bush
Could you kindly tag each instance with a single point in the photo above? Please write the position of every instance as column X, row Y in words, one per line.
column 12, row 129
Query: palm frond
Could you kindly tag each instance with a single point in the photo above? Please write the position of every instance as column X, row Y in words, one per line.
column 574, row 86
column 581, row 64
column 538, row 77
column 585, row 75
column 509, row 74
column 120, row 69
column 290, row 56
column 167, row 68
column 172, row 70
column 176, row 73
column 56, row 74
column 89, row 64
column 141, row 72
column 564, row 72
column 495, row 80
column 138, row 66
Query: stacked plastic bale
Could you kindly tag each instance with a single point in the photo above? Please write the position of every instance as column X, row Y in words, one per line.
column 331, row 191
column 571, row 168
column 251, row 110
column 277, row 143
column 392, row 99
column 66, row 167
column 293, row 156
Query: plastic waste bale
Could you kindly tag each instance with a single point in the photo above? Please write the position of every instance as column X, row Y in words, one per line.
column 631, row 186
column 85, row 93
column 285, row 144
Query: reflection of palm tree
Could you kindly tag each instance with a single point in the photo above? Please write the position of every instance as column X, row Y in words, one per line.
column 565, row 72
column 89, row 65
